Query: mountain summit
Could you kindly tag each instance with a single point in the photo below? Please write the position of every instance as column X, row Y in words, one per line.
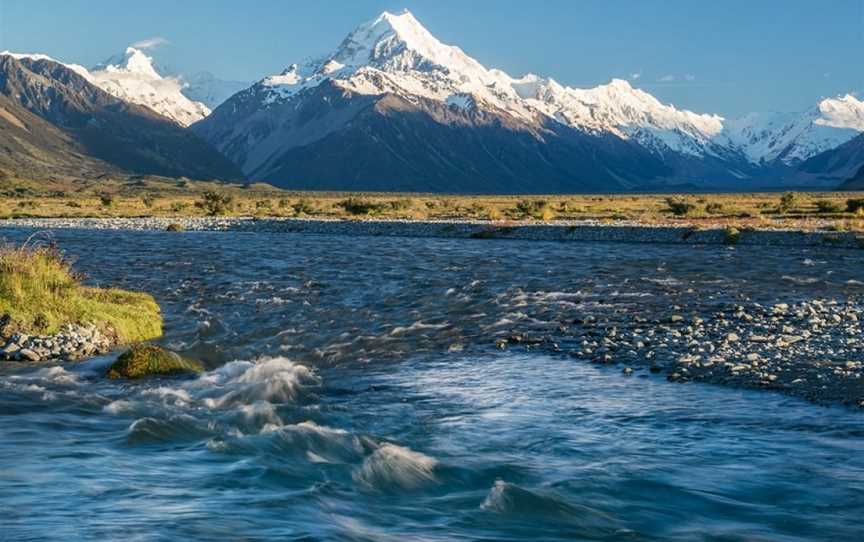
column 134, row 77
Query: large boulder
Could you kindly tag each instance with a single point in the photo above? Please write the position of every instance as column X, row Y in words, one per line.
column 150, row 360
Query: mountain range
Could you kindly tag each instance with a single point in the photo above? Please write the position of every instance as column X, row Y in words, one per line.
column 393, row 108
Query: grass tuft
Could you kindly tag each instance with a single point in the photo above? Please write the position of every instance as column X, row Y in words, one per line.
column 40, row 293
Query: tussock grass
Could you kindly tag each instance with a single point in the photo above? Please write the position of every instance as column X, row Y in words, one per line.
column 40, row 293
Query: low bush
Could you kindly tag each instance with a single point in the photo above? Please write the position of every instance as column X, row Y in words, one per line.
column 360, row 206
column 714, row 208
column 680, row 206
column 788, row 201
column 855, row 205
column 303, row 207
column 535, row 208
column 215, row 203
column 825, row 206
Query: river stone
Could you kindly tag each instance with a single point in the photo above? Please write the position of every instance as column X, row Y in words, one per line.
column 29, row 355
column 150, row 360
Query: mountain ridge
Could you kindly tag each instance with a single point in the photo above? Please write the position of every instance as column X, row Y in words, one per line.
column 53, row 117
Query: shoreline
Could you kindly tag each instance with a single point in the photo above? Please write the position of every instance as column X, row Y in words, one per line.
column 562, row 231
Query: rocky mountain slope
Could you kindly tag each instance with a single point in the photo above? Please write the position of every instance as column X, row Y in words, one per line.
column 54, row 121
column 845, row 164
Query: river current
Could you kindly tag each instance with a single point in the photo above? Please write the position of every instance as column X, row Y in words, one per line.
column 355, row 392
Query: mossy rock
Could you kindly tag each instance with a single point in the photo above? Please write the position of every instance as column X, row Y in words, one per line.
column 150, row 360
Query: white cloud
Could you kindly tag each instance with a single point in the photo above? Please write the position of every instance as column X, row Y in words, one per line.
column 635, row 76
column 688, row 77
column 150, row 43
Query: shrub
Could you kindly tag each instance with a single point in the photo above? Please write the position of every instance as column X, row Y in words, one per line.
column 402, row 204
column 107, row 200
column 148, row 201
column 216, row 203
column 536, row 208
column 714, row 208
column 73, row 204
column 303, row 207
column 855, row 205
column 680, row 206
column 179, row 206
column 788, row 201
column 359, row 206
column 827, row 206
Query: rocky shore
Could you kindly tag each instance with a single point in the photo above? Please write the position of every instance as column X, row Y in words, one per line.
column 73, row 342
column 810, row 349
column 584, row 230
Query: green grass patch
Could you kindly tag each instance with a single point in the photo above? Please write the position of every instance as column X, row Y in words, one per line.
column 40, row 293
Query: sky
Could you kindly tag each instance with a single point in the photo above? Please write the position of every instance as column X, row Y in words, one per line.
column 729, row 57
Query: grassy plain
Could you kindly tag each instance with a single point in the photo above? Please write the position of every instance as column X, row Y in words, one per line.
column 160, row 197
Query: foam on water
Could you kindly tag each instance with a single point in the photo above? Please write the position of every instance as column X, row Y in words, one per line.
column 392, row 467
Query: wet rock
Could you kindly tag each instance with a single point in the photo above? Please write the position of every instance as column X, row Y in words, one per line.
column 29, row 355
column 150, row 360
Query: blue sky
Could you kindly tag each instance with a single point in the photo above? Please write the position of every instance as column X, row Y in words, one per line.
column 728, row 57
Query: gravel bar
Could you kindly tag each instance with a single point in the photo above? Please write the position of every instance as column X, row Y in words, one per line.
column 585, row 230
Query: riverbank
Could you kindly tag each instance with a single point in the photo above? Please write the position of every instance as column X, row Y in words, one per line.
column 47, row 313
column 571, row 230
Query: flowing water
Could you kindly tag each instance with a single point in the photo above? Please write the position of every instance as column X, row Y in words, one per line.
column 355, row 392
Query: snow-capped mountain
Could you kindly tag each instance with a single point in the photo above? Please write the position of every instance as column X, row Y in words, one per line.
column 55, row 124
column 793, row 138
column 392, row 67
column 392, row 104
column 133, row 77
column 395, row 53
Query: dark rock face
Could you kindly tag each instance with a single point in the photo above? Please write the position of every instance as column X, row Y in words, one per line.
column 55, row 122
column 333, row 140
column 841, row 164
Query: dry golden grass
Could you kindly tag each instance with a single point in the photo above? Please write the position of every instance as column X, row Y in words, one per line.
column 158, row 197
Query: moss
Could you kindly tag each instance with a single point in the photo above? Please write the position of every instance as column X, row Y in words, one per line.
column 151, row 360
column 39, row 293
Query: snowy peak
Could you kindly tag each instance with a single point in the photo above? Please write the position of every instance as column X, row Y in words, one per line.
column 794, row 137
column 134, row 77
column 396, row 54
column 132, row 61
column 399, row 42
